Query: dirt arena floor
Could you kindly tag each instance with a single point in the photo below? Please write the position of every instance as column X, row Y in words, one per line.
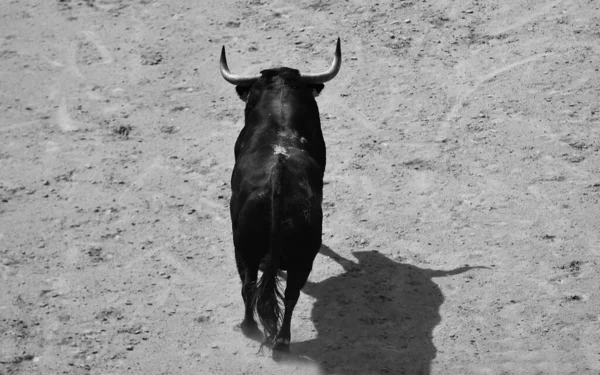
column 462, row 227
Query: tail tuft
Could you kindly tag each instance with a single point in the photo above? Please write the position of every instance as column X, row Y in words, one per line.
column 268, row 307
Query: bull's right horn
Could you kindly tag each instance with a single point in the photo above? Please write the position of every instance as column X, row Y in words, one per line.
column 329, row 73
column 234, row 78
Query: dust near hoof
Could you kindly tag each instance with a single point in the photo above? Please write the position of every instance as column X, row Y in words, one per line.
column 250, row 330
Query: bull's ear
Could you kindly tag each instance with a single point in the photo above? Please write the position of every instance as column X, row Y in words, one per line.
column 243, row 92
column 317, row 89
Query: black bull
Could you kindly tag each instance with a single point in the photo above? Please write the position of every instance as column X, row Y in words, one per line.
column 277, row 191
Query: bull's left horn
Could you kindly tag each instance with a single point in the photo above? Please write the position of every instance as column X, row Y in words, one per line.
column 329, row 73
column 234, row 78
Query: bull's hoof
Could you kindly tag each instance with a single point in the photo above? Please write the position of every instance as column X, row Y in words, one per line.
column 250, row 330
column 281, row 346
column 281, row 351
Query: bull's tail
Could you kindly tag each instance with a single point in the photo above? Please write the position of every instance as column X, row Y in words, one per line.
column 268, row 292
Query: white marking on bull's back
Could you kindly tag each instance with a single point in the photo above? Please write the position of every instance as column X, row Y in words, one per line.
column 278, row 149
column 288, row 134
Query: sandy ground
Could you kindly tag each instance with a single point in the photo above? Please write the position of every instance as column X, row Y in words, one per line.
column 462, row 219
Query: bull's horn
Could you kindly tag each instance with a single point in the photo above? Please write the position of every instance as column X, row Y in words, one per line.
column 234, row 78
column 329, row 73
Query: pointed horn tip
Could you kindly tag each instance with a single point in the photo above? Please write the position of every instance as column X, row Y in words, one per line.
column 338, row 48
column 223, row 59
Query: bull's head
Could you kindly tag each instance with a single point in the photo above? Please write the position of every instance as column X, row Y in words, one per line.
column 315, row 81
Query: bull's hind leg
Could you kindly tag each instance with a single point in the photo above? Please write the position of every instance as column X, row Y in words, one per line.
column 295, row 281
column 248, row 275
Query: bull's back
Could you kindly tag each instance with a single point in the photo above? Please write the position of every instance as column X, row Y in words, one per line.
column 300, row 181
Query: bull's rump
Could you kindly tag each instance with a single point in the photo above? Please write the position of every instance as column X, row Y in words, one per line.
column 301, row 215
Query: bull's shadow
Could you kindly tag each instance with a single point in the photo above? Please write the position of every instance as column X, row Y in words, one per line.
column 376, row 317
